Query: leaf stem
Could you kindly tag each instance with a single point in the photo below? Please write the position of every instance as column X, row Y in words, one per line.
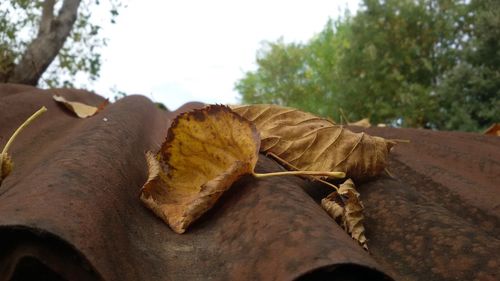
column 326, row 183
column 20, row 128
column 283, row 162
column 300, row 173
column 343, row 116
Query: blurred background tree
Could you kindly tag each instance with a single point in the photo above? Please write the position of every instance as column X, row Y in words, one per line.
column 412, row 63
column 50, row 42
column 469, row 93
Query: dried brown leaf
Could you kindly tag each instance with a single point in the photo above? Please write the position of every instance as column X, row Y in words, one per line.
column 334, row 206
column 493, row 130
column 365, row 123
column 345, row 207
column 206, row 150
column 309, row 142
column 80, row 109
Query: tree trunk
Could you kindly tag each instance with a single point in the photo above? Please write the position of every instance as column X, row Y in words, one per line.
column 52, row 34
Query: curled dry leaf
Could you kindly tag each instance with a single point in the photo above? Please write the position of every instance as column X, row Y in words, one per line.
column 206, row 150
column 345, row 207
column 309, row 142
column 80, row 109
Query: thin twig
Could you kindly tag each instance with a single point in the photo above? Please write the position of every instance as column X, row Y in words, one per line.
column 391, row 175
column 342, row 114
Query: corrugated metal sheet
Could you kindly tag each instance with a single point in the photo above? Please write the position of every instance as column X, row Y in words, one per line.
column 70, row 210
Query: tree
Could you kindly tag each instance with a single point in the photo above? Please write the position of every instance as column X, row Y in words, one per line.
column 397, row 51
column 287, row 73
column 469, row 94
column 34, row 33
column 405, row 62
column 283, row 78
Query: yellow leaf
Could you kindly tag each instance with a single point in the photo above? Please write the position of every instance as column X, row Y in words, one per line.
column 345, row 207
column 308, row 142
column 206, row 150
column 80, row 109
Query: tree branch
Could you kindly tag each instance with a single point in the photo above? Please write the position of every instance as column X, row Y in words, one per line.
column 45, row 47
column 47, row 16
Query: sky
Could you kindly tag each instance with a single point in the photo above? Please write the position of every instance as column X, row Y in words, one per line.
column 179, row 51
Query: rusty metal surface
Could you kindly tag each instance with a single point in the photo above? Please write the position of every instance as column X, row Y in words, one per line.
column 74, row 191
column 439, row 217
column 78, row 181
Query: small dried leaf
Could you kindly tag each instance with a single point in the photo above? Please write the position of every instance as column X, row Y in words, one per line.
column 206, row 150
column 365, row 123
column 5, row 166
column 345, row 207
column 309, row 142
column 80, row 109
column 493, row 130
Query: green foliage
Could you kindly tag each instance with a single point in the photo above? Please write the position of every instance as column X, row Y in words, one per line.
column 19, row 23
column 469, row 94
column 287, row 73
column 403, row 62
column 469, row 97
column 161, row 106
column 398, row 49
column 12, row 25
column 283, row 78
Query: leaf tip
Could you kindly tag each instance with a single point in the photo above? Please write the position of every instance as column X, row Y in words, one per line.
column 6, row 166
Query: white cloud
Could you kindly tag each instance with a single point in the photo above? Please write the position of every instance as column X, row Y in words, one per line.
column 180, row 51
